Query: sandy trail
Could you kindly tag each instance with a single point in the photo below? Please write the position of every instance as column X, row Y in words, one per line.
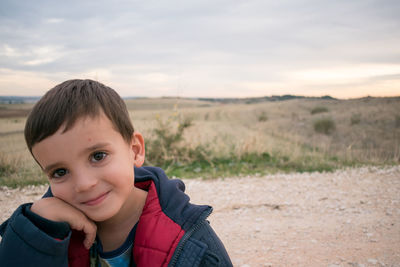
column 346, row 218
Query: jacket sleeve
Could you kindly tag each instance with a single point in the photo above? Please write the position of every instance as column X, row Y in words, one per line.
column 25, row 244
column 216, row 254
column 204, row 249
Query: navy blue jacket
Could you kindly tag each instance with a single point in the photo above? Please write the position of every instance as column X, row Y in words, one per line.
column 170, row 232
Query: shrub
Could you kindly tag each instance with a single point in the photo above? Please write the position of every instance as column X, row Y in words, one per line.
column 397, row 121
column 355, row 119
column 319, row 110
column 325, row 126
column 166, row 146
column 262, row 117
column 7, row 165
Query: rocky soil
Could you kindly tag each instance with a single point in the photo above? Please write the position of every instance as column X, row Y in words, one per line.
column 347, row 218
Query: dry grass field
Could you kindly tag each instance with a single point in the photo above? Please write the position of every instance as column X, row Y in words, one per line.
column 351, row 133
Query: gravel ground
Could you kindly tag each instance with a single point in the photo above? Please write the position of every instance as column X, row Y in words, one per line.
column 347, row 218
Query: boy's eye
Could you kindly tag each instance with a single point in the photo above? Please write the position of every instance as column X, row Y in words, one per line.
column 59, row 173
column 98, row 156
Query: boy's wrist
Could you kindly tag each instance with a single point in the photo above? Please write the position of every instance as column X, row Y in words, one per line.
column 58, row 230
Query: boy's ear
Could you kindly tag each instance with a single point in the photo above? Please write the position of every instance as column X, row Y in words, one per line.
column 137, row 146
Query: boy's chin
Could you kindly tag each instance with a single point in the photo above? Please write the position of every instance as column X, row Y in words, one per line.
column 99, row 217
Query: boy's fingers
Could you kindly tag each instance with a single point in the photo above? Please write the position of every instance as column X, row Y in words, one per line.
column 57, row 210
column 90, row 230
column 82, row 223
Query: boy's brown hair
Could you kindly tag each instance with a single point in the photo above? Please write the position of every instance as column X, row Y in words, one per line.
column 73, row 99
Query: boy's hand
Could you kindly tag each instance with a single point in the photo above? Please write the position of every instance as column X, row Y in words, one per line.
column 55, row 209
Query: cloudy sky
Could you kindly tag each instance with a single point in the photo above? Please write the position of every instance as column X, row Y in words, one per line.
column 204, row 48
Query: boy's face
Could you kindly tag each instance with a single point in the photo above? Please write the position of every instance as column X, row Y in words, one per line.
column 91, row 166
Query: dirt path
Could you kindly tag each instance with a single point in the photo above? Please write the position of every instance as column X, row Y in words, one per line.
column 347, row 218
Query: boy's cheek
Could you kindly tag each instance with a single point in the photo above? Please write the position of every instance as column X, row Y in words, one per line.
column 60, row 192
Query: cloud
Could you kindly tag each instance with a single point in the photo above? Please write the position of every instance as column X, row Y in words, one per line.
column 8, row 51
column 31, row 55
column 24, row 83
column 43, row 55
column 53, row 20
column 204, row 47
column 349, row 74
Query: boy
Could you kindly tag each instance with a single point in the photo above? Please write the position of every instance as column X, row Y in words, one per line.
column 102, row 208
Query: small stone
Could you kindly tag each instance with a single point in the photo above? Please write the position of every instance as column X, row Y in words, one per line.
column 372, row 261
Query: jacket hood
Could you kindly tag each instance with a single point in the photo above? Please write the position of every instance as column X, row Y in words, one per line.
column 171, row 194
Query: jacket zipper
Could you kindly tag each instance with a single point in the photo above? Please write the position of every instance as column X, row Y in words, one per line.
column 187, row 235
column 93, row 255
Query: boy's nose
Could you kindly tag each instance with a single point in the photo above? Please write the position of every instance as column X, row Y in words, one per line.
column 85, row 181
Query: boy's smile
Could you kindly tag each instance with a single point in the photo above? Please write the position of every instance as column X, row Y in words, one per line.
column 90, row 166
column 96, row 200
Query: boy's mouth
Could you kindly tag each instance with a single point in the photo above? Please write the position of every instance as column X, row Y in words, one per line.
column 97, row 200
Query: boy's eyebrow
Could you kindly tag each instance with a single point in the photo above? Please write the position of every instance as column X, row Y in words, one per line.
column 95, row 147
column 51, row 166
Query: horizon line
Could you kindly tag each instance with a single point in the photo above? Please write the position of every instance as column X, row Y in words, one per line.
column 216, row 98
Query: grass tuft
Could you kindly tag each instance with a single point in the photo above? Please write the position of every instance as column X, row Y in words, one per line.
column 262, row 117
column 397, row 121
column 324, row 126
column 14, row 173
column 355, row 119
column 317, row 110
